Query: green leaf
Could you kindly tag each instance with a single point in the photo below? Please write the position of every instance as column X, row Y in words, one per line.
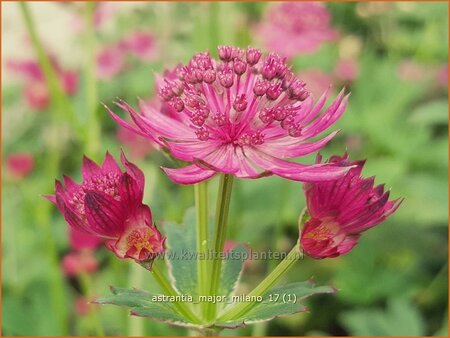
column 278, row 301
column 232, row 269
column 435, row 112
column 145, row 304
column 181, row 243
column 399, row 319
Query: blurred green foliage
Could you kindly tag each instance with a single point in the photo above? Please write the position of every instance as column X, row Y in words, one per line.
column 395, row 282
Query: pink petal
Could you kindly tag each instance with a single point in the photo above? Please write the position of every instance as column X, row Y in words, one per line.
column 289, row 147
column 188, row 175
column 125, row 124
column 89, row 168
column 131, row 194
column 222, row 159
column 188, row 150
column 110, row 165
column 133, row 171
column 296, row 171
column 104, row 214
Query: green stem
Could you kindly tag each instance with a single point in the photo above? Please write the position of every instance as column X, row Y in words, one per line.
column 92, row 140
column 135, row 325
column 167, row 288
column 86, row 286
column 220, row 228
column 201, row 203
column 241, row 308
column 62, row 107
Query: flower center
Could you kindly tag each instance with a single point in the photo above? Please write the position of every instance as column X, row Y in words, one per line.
column 237, row 98
column 140, row 239
column 107, row 183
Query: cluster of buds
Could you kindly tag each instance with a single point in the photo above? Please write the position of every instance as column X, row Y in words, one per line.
column 236, row 89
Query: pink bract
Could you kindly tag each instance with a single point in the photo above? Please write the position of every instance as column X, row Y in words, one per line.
column 242, row 115
column 20, row 164
column 341, row 209
column 292, row 28
column 108, row 205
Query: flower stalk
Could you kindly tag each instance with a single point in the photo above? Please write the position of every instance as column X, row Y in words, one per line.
column 86, row 286
column 284, row 266
column 220, row 228
column 201, row 203
column 168, row 289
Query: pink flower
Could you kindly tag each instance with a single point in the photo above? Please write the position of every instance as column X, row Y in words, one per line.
column 110, row 62
column 80, row 240
column 241, row 115
column 341, row 209
column 20, row 164
column 442, row 76
column 318, row 81
column 104, row 11
column 108, row 205
column 35, row 89
column 141, row 45
column 76, row 263
column 346, row 70
column 292, row 28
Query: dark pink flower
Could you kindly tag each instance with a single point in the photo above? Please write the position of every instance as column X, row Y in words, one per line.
column 20, row 164
column 292, row 28
column 110, row 61
column 80, row 240
column 108, row 204
column 241, row 115
column 341, row 209
column 140, row 44
column 76, row 263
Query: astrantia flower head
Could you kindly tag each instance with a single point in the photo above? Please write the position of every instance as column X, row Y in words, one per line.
column 240, row 115
column 341, row 209
column 292, row 28
column 108, row 204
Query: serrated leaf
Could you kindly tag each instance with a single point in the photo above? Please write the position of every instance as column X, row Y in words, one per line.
column 232, row 269
column 145, row 304
column 275, row 303
column 181, row 243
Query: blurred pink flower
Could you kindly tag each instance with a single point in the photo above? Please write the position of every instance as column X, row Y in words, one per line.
column 318, row 81
column 341, row 210
column 138, row 146
column 76, row 263
column 20, row 164
column 104, row 11
column 110, row 61
column 243, row 115
column 35, row 88
column 442, row 76
column 141, row 45
column 108, row 205
column 346, row 70
column 80, row 240
column 409, row 70
column 83, row 305
column 292, row 28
